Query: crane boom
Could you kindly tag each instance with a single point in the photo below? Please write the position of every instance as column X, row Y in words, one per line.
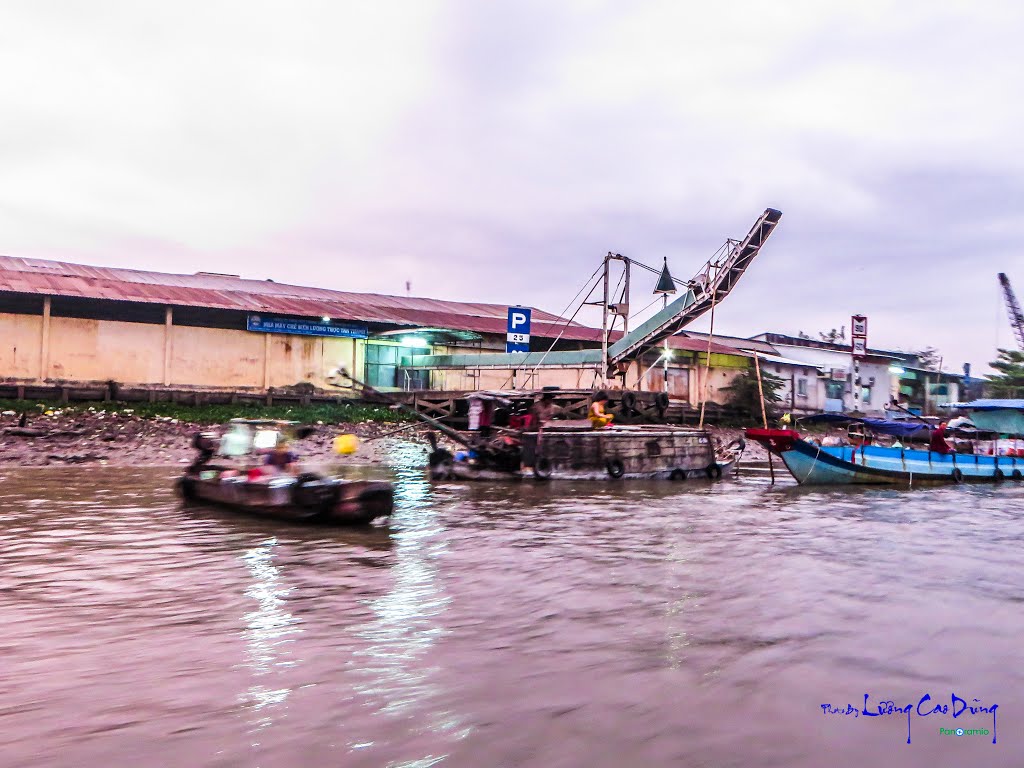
column 1013, row 307
column 712, row 284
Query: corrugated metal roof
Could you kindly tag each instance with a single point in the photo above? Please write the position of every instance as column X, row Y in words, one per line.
column 52, row 278
column 701, row 345
column 216, row 291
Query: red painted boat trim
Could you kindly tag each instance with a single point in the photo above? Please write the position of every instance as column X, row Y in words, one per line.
column 775, row 440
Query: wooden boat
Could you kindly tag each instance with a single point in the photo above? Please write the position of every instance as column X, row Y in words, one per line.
column 229, row 480
column 564, row 451
column 306, row 497
column 813, row 464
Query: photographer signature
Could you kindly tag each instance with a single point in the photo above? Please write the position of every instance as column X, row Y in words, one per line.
column 924, row 708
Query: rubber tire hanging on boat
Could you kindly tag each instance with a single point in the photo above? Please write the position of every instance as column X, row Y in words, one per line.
column 1016, row 474
column 187, row 488
column 443, row 469
column 661, row 401
column 299, row 489
column 998, row 475
column 677, row 475
column 542, row 468
column 629, row 400
column 714, row 472
column 958, row 476
column 439, row 456
column 615, row 467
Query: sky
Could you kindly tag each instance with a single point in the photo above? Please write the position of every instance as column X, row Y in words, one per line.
column 495, row 151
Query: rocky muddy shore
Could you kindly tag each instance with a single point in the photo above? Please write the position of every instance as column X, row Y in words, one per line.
column 119, row 437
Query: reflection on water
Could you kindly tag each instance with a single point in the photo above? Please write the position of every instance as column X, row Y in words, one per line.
column 408, row 620
column 269, row 627
column 604, row 624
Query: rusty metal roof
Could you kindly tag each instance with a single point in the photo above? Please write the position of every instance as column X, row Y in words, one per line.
column 216, row 291
column 52, row 278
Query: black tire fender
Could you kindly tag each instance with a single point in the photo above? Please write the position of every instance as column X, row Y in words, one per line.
column 661, row 401
column 958, row 476
column 542, row 468
column 714, row 472
column 439, row 456
column 615, row 467
column 629, row 400
column 187, row 489
column 998, row 475
column 1016, row 474
column 677, row 475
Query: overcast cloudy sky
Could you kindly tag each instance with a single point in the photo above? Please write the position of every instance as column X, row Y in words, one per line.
column 496, row 150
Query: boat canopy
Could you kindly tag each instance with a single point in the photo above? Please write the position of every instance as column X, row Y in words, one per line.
column 1003, row 416
column 878, row 426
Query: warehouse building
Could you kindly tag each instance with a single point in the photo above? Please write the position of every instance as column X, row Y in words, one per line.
column 70, row 324
column 64, row 322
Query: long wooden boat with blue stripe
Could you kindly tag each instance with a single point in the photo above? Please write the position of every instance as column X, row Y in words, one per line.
column 813, row 464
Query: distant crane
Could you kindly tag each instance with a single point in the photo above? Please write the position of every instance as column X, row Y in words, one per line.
column 1013, row 307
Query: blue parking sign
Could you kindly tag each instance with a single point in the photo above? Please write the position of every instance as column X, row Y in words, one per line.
column 517, row 338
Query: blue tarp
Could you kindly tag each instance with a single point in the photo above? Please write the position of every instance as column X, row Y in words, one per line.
column 989, row 405
column 897, row 428
column 880, row 426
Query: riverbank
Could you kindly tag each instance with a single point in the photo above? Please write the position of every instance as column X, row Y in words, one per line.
column 160, row 434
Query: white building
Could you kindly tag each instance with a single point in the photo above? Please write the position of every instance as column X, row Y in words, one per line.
column 878, row 372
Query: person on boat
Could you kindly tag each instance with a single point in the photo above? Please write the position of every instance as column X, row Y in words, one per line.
column 599, row 418
column 282, row 458
column 542, row 411
column 938, row 442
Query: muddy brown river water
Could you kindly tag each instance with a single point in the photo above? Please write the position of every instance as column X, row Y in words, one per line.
column 600, row 624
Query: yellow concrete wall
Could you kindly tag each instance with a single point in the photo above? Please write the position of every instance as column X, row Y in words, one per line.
column 719, row 378
column 20, row 338
column 297, row 359
column 215, row 357
column 98, row 350
column 349, row 353
column 294, row 359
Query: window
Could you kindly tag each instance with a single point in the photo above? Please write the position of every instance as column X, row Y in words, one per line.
column 834, row 390
column 383, row 367
column 801, row 387
column 865, row 395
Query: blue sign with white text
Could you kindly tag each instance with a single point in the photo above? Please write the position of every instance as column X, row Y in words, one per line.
column 264, row 324
column 517, row 338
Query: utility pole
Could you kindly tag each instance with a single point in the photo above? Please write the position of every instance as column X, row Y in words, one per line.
column 604, row 324
column 623, row 306
column 858, row 349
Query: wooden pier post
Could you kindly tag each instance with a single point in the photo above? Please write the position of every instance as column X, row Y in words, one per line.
column 764, row 411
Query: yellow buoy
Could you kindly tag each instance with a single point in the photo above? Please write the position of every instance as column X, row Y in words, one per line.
column 346, row 444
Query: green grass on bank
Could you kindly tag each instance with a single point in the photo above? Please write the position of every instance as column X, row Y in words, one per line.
column 328, row 413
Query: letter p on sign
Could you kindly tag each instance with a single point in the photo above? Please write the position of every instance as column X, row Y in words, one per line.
column 517, row 337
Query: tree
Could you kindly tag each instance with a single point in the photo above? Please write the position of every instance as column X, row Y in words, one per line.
column 929, row 358
column 1009, row 382
column 744, row 396
column 834, row 336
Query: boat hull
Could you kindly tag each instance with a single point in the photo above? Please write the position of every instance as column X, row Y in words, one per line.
column 465, row 471
column 622, row 452
column 812, row 464
column 320, row 500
